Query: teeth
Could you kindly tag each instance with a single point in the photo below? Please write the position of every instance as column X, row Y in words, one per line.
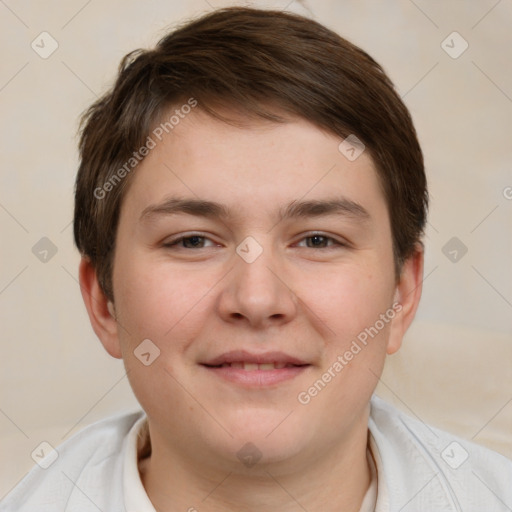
column 255, row 366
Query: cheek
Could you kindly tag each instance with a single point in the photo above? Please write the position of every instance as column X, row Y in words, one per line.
column 347, row 300
column 168, row 308
column 159, row 302
column 350, row 305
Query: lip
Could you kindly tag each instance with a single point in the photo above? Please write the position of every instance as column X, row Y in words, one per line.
column 255, row 378
column 235, row 356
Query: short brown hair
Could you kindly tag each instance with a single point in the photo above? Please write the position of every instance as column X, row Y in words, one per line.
column 260, row 62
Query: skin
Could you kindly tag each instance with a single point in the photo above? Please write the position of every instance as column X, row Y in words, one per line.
column 307, row 297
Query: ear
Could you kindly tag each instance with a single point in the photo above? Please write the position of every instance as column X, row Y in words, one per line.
column 407, row 294
column 101, row 311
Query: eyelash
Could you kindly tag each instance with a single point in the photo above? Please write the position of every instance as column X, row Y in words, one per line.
column 174, row 243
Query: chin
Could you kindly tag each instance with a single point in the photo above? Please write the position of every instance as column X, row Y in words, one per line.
column 271, row 430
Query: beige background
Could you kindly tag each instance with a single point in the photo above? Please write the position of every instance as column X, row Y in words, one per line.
column 455, row 370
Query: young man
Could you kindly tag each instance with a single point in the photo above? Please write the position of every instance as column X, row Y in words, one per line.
column 250, row 205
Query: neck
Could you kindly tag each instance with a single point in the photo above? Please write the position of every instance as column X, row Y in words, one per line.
column 335, row 478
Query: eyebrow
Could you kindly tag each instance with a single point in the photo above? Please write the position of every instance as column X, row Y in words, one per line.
column 295, row 209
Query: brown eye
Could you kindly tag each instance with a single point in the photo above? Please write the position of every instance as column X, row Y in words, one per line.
column 189, row 242
column 320, row 241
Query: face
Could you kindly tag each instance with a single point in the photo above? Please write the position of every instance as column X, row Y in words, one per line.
column 258, row 262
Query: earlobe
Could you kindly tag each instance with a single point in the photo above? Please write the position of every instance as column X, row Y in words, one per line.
column 100, row 310
column 407, row 295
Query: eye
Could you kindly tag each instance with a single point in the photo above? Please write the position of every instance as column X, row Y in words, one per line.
column 199, row 241
column 320, row 241
column 195, row 241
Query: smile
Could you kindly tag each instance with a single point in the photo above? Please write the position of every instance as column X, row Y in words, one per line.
column 250, row 367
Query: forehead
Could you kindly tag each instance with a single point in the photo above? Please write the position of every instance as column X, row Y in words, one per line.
column 251, row 167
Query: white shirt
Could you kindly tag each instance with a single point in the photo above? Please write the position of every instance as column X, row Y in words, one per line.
column 418, row 469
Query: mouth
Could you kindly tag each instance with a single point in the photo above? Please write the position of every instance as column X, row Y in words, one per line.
column 255, row 370
column 251, row 367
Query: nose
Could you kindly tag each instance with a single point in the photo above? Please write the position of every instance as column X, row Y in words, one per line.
column 258, row 293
